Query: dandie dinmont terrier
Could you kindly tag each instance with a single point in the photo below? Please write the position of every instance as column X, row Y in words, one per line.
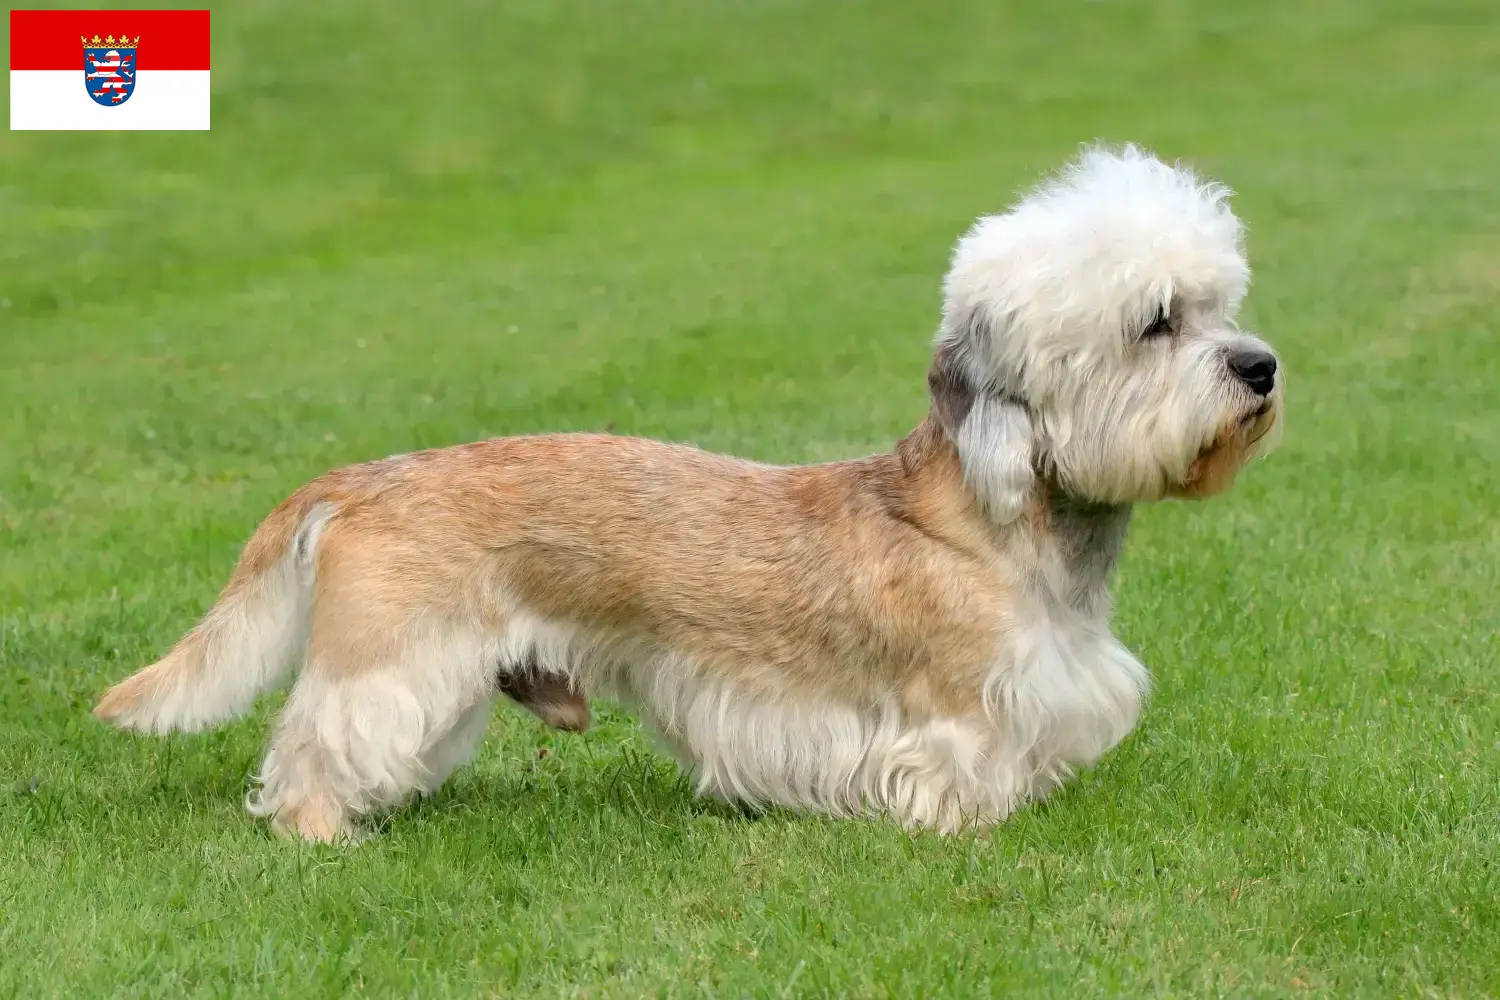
column 922, row 634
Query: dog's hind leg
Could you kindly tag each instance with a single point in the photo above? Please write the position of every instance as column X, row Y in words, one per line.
column 387, row 706
column 345, row 746
column 454, row 750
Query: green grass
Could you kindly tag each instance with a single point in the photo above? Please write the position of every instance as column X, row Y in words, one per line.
column 725, row 223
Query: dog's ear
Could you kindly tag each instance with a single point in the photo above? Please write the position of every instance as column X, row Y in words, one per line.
column 995, row 449
column 992, row 432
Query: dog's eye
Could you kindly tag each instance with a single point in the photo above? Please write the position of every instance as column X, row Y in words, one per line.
column 1161, row 326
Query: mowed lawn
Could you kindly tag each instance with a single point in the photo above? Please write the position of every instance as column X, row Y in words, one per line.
column 726, row 223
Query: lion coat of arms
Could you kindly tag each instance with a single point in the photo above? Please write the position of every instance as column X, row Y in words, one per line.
column 109, row 68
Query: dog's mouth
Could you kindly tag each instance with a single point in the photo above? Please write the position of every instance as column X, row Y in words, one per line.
column 1257, row 423
column 1247, row 423
column 1247, row 429
column 1218, row 461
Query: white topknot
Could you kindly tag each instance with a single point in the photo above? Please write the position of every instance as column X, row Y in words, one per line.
column 1111, row 223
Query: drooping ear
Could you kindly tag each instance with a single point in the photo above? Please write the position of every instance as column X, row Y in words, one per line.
column 991, row 430
column 995, row 450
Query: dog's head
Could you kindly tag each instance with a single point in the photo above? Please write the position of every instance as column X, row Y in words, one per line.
column 1088, row 334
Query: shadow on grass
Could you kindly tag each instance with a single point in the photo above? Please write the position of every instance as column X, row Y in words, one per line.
column 633, row 785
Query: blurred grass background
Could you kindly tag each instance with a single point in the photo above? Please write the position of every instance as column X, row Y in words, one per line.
column 725, row 223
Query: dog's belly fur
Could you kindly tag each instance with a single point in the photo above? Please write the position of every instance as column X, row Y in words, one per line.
column 1050, row 699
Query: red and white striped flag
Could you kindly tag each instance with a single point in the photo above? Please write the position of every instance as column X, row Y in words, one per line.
column 109, row 69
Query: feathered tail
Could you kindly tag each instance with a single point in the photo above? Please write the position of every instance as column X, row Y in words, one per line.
column 245, row 644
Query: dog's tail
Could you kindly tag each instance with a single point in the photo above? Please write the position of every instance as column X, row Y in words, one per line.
column 246, row 643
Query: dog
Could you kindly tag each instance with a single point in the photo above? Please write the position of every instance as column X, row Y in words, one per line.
column 921, row 635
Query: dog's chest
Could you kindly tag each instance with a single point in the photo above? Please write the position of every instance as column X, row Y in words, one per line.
column 1071, row 689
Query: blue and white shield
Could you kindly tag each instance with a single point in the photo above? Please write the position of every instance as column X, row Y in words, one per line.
column 109, row 74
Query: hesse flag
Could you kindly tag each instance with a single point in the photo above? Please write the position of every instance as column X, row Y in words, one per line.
column 108, row 69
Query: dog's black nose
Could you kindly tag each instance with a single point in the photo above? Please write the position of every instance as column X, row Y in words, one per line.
column 1257, row 369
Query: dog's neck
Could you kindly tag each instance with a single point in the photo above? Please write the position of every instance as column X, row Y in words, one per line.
column 1062, row 547
column 1077, row 543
